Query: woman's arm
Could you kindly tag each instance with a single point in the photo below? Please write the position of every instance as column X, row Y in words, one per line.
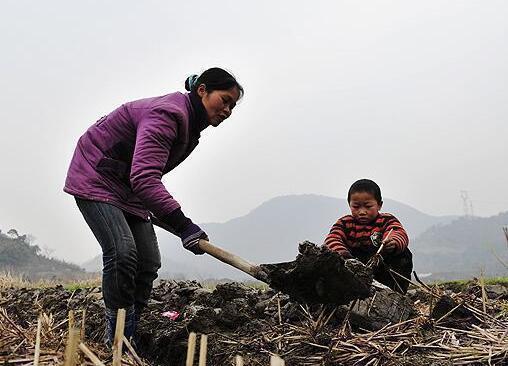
column 155, row 135
column 154, row 139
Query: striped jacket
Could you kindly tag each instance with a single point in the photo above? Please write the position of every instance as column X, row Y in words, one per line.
column 352, row 239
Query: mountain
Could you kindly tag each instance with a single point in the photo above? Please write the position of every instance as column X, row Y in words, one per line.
column 463, row 248
column 271, row 233
column 18, row 256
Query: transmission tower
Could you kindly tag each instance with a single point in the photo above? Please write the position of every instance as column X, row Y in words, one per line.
column 466, row 203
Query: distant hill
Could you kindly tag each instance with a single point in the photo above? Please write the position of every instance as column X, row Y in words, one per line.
column 271, row 233
column 19, row 257
column 463, row 247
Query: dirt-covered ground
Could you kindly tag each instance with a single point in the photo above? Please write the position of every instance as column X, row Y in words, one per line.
column 441, row 328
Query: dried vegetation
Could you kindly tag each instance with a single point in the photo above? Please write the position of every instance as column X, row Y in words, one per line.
column 445, row 327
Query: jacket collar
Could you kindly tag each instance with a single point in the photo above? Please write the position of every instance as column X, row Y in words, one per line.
column 199, row 119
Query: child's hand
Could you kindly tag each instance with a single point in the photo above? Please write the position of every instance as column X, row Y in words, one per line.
column 389, row 246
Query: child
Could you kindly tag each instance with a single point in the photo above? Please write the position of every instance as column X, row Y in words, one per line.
column 360, row 234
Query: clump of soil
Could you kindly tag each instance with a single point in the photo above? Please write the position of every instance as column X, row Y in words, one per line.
column 446, row 305
column 222, row 310
column 320, row 276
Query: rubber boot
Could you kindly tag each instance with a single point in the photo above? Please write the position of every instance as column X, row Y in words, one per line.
column 130, row 324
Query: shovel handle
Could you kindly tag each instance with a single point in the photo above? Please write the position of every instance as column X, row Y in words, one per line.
column 233, row 260
column 222, row 255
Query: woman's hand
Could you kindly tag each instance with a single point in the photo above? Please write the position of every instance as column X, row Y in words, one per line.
column 190, row 238
column 190, row 233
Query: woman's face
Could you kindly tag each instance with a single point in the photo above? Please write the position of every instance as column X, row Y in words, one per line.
column 219, row 104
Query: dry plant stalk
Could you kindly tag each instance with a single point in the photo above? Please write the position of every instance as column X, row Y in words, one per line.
column 203, row 346
column 238, row 360
column 484, row 293
column 374, row 261
column 276, row 361
column 71, row 320
column 71, row 347
column 132, row 351
column 191, row 349
column 38, row 342
column 83, row 317
column 88, row 353
column 118, row 340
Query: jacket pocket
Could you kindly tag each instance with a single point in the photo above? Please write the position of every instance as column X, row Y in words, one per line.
column 113, row 168
column 115, row 175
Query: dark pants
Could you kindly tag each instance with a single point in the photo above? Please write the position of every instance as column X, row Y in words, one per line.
column 130, row 254
column 401, row 263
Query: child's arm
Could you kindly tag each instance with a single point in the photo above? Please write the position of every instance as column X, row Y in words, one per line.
column 398, row 239
column 336, row 240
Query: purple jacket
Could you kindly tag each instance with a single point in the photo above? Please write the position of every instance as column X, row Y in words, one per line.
column 123, row 156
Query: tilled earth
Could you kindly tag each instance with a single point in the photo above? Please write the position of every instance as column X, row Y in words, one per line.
column 255, row 323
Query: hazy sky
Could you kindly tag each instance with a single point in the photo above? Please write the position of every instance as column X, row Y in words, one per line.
column 413, row 94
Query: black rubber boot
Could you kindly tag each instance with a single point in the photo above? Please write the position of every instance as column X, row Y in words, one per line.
column 130, row 324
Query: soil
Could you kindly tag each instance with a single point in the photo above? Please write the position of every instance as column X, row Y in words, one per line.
column 239, row 320
column 320, row 276
column 231, row 310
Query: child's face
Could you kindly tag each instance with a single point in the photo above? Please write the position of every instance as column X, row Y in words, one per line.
column 364, row 207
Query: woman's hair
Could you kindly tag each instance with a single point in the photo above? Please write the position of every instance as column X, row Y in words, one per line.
column 214, row 79
column 368, row 186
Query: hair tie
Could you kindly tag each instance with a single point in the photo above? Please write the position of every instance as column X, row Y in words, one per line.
column 190, row 83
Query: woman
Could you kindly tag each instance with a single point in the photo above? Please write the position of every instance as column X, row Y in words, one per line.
column 115, row 177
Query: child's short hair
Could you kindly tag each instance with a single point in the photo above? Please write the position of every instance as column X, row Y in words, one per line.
column 365, row 185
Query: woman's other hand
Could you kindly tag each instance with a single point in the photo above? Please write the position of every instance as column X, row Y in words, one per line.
column 190, row 238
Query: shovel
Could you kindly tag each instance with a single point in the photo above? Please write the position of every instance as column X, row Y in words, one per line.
column 222, row 255
column 243, row 265
column 318, row 275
